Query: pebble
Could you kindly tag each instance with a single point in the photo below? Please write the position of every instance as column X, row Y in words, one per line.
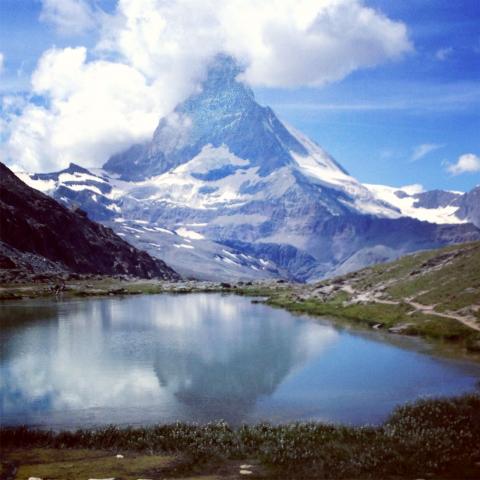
column 120, row 456
column 34, row 478
column 245, row 466
column 245, row 472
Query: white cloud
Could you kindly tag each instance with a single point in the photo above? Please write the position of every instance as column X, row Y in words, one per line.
column 2, row 60
column 158, row 51
column 282, row 42
column 69, row 17
column 318, row 43
column 466, row 163
column 443, row 53
column 94, row 109
column 423, row 150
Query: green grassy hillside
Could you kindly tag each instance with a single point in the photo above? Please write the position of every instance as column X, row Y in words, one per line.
column 434, row 294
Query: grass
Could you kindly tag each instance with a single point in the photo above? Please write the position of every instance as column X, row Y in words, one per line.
column 450, row 277
column 82, row 463
column 368, row 314
column 436, row 437
column 443, row 330
column 106, row 286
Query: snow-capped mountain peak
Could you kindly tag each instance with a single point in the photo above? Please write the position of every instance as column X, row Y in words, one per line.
column 239, row 146
column 223, row 112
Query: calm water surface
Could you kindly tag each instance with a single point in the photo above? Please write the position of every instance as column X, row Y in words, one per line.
column 202, row 357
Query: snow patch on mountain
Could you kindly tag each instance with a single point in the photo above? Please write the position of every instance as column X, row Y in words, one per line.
column 404, row 200
column 44, row 186
column 320, row 167
column 213, row 179
column 184, row 232
column 199, row 258
column 183, row 245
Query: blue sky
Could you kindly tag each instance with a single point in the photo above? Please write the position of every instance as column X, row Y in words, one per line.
column 373, row 120
column 403, row 121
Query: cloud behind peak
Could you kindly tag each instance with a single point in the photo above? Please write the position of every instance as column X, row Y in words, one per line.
column 152, row 54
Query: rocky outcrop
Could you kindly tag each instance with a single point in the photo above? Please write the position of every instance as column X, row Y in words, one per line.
column 35, row 224
column 469, row 205
column 20, row 267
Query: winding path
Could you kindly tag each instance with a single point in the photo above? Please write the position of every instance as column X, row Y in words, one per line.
column 429, row 309
column 468, row 321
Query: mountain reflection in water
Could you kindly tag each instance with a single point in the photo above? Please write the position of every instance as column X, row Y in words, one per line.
column 148, row 359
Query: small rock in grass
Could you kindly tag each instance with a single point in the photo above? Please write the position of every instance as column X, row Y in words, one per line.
column 245, row 466
column 119, row 456
column 245, row 472
column 34, row 478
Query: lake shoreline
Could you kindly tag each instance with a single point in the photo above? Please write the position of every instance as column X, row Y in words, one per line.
column 447, row 338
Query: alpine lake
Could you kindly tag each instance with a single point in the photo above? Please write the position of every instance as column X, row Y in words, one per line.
column 201, row 357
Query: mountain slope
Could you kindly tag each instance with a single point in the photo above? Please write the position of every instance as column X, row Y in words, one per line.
column 268, row 233
column 34, row 224
column 228, row 174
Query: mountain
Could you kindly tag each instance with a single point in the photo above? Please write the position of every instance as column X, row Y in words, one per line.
column 225, row 190
column 37, row 234
column 436, row 206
